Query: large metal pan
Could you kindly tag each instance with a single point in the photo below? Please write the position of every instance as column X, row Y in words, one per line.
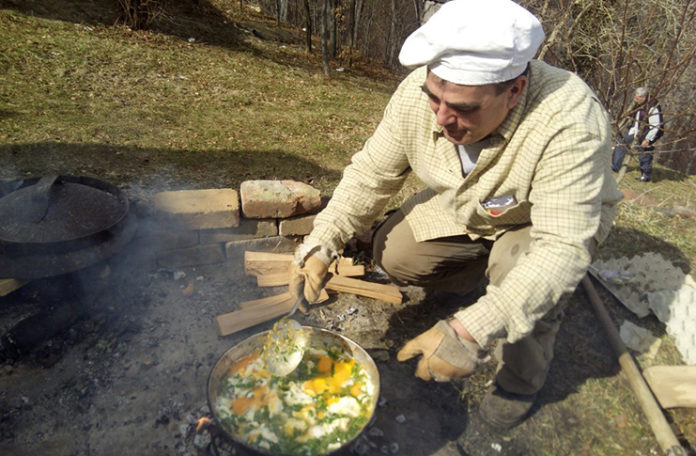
column 59, row 224
column 255, row 342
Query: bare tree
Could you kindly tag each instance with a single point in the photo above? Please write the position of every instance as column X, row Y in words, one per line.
column 618, row 45
column 308, row 25
column 333, row 29
column 615, row 45
column 138, row 14
column 325, row 37
column 391, row 42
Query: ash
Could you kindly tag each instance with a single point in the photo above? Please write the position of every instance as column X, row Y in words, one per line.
column 127, row 375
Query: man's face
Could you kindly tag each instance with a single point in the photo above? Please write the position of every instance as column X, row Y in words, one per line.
column 468, row 114
column 639, row 99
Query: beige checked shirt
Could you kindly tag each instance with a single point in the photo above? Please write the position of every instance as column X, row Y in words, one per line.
column 549, row 160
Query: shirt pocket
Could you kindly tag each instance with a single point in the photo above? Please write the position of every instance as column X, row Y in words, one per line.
column 504, row 210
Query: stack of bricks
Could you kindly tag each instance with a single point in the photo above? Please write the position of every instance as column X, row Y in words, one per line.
column 199, row 227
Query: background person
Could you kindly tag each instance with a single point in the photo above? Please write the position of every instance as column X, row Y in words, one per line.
column 645, row 129
column 514, row 154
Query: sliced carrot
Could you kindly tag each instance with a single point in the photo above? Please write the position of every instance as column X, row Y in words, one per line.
column 324, row 364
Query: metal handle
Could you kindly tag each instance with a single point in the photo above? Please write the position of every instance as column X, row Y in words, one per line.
column 295, row 306
column 40, row 200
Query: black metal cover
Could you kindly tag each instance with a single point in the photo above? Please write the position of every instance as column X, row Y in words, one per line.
column 58, row 224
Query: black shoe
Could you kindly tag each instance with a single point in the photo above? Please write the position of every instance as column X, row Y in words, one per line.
column 503, row 410
column 643, row 178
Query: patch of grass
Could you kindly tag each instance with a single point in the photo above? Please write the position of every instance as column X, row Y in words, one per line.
column 110, row 87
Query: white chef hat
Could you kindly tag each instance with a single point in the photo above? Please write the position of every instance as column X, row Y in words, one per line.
column 475, row 42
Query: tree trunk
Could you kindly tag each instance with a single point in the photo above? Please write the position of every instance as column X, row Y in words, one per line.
column 418, row 4
column 332, row 29
column 356, row 26
column 283, row 10
column 391, row 41
column 351, row 31
column 325, row 38
column 308, row 26
column 365, row 45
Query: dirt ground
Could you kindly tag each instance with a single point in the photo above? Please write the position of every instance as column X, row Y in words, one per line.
column 129, row 377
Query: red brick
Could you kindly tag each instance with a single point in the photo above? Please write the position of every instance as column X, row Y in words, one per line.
column 278, row 199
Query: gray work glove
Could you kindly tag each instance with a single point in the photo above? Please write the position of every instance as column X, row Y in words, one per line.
column 445, row 356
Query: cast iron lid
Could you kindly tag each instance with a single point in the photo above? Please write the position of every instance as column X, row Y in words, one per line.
column 58, row 209
column 50, row 220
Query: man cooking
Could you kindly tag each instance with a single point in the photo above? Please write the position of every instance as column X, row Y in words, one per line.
column 514, row 155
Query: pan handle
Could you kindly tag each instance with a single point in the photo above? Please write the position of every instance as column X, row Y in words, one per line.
column 41, row 195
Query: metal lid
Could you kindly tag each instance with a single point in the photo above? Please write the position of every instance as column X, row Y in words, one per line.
column 59, row 222
column 56, row 209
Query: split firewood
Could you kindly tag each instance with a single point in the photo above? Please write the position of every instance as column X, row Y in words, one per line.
column 266, row 263
column 259, row 311
column 276, row 299
column 673, row 386
column 384, row 292
column 277, row 279
column 257, row 263
column 275, row 306
column 7, row 286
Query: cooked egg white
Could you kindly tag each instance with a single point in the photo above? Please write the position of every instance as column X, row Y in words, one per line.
column 317, row 405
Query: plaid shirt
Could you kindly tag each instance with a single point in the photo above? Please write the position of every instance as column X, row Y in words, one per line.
column 551, row 155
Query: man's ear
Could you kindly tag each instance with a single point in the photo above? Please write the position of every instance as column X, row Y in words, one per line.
column 515, row 91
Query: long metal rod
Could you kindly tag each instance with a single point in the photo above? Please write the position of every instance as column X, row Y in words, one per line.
column 663, row 432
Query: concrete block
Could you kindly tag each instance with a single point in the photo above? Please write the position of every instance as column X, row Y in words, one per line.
column 170, row 240
column 278, row 199
column 199, row 209
column 247, row 229
column 296, row 226
column 192, row 256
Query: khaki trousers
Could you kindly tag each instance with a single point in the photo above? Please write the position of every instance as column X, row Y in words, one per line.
column 458, row 264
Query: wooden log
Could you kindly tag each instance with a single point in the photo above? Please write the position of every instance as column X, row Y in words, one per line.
column 274, row 279
column 277, row 279
column 267, row 301
column 674, row 386
column 267, row 263
column 275, row 306
column 323, row 296
column 7, row 286
column 384, row 292
column 258, row 263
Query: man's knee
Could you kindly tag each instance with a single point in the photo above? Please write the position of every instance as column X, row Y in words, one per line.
column 506, row 252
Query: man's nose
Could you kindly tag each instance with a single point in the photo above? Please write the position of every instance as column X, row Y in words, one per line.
column 445, row 115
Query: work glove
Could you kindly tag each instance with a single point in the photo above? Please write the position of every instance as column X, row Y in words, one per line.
column 445, row 356
column 309, row 274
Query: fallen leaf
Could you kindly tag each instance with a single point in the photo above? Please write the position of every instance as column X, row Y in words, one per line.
column 188, row 291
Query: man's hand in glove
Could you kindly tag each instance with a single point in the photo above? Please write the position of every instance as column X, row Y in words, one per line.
column 444, row 355
column 308, row 277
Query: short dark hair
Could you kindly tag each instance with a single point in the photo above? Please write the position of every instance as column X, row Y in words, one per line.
column 501, row 87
